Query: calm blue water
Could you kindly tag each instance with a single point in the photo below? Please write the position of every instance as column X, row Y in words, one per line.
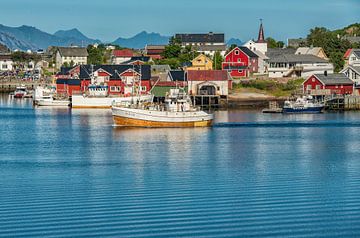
column 70, row 173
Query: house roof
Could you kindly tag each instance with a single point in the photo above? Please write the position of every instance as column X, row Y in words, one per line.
column 286, row 58
column 178, row 75
column 308, row 50
column 123, row 53
column 356, row 52
column 261, row 55
column 248, row 52
column 273, row 52
column 201, row 38
column 355, row 68
column 200, row 57
column 155, row 47
column 347, row 54
column 333, row 79
column 73, row 51
column 209, row 47
column 296, row 42
column 5, row 57
column 115, row 70
column 352, row 39
column 208, row 75
column 68, row 81
column 138, row 58
column 163, row 68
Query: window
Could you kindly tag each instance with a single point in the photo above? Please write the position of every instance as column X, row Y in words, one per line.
column 115, row 89
column 308, row 87
column 239, row 60
column 4, row 66
column 318, row 87
column 240, row 71
column 237, row 52
column 313, row 80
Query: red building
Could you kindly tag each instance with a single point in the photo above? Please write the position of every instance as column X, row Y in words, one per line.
column 327, row 84
column 154, row 51
column 241, row 62
column 119, row 79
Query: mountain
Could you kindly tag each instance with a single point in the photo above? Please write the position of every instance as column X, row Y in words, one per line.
column 142, row 39
column 234, row 41
column 3, row 49
column 13, row 43
column 31, row 38
column 75, row 34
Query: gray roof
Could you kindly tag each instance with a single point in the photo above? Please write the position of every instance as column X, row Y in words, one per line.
column 162, row 68
column 210, row 47
column 289, row 58
column 5, row 57
column 357, row 52
column 201, row 38
column 155, row 47
column 248, row 52
column 334, row 79
column 296, row 42
column 352, row 39
column 273, row 52
column 355, row 68
column 73, row 51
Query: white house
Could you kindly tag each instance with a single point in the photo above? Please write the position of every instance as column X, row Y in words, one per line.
column 353, row 73
column 6, row 62
column 289, row 65
column 257, row 46
column 71, row 55
column 354, row 58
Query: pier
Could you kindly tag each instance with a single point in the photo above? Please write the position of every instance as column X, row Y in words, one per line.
column 342, row 103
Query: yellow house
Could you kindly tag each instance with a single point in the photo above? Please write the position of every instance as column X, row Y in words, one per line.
column 201, row 62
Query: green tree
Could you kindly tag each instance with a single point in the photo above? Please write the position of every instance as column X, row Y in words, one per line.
column 217, row 61
column 272, row 43
column 173, row 50
column 96, row 54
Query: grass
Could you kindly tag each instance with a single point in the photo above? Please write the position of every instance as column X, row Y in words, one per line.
column 271, row 87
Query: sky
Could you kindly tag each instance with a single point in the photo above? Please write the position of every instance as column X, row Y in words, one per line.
column 109, row 19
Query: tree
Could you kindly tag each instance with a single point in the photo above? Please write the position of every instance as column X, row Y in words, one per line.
column 272, row 43
column 173, row 50
column 96, row 55
column 217, row 61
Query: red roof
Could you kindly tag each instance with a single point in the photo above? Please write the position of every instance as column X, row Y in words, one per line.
column 123, row 53
column 171, row 84
column 347, row 54
column 207, row 75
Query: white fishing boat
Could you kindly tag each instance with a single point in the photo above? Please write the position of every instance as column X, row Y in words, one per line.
column 305, row 104
column 51, row 101
column 97, row 97
column 176, row 111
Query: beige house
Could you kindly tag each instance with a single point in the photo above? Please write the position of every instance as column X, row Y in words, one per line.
column 201, row 62
column 317, row 51
column 71, row 56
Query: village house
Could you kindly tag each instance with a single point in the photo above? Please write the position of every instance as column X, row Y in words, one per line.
column 296, row 43
column 176, row 75
column 241, row 62
column 120, row 79
column 353, row 73
column 292, row 65
column 201, row 62
column 6, row 63
column 328, row 84
column 317, row 51
column 71, row 56
column 209, row 82
column 138, row 60
column 121, row 56
column 207, row 44
column 154, row 51
column 354, row 57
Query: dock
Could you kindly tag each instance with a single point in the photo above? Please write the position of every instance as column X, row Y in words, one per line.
column 273, row 108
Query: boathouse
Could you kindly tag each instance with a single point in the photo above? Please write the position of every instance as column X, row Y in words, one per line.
column 209, row 82
column 328, row 84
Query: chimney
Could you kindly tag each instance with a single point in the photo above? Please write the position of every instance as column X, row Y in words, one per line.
column 325, row 73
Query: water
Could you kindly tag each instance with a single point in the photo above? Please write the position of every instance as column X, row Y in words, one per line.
column 70, row 173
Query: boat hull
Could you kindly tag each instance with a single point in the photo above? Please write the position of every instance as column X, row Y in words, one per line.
column 53, row 103
column 303, row 110
column 156, row 119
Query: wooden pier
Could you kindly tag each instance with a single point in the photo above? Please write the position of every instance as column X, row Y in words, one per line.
column 342, row 103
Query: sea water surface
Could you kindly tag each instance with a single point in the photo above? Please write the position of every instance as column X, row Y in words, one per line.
column 70, row 173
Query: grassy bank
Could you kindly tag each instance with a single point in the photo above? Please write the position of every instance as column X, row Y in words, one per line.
column 269, row 87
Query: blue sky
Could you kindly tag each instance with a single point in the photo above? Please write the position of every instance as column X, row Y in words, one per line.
column 109, row 19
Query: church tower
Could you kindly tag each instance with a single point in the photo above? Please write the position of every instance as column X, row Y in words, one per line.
column 261, row 37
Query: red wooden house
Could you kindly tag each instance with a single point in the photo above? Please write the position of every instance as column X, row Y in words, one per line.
column 119, row 79
column 327, row 84
column 241, row 62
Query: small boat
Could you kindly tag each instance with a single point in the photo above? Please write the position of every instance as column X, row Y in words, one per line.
column 20, row 91
column 51, row 101
column 304, row 104
column 176, row 111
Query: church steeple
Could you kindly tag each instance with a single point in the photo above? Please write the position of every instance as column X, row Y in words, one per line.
column 261, row 37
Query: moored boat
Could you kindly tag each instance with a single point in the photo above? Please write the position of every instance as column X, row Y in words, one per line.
column 304, row 104
column 177, row 111
column 98, row 97
column 51, row 101
column 20, row 91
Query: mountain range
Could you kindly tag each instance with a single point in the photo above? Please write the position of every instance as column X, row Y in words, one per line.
column 30, row 38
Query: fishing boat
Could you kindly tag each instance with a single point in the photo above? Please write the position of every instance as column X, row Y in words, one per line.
column 98, row 97
column 176, row 111
column 20, row 91
column 304, row 104
column 52, row 101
